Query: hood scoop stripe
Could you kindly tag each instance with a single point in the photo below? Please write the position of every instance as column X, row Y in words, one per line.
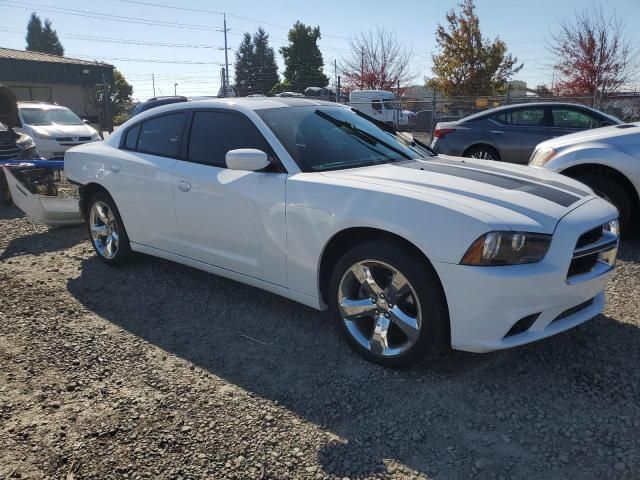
column 501, row 171
column 551, row 194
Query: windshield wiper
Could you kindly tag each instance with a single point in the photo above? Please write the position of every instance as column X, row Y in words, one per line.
column 389, row 129
column 361, row 133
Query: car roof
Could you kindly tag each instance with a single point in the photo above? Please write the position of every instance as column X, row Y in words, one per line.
column 240, row 103
column 503, row 108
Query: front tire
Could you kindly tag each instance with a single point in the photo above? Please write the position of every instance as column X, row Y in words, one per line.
column 611, row 191
column 389, row 304
column 106, row 230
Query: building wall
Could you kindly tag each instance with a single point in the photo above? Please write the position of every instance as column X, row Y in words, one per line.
column 74, row 97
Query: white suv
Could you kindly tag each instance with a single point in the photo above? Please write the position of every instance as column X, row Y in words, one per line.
column 54, row 128
column 322, row 204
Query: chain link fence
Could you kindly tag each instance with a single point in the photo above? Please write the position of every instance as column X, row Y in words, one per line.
column 421, row 116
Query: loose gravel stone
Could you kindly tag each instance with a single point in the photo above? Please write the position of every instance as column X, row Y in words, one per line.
column 145, row 371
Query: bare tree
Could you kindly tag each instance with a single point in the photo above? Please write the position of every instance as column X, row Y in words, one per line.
column 593, row 57
column 378, row 61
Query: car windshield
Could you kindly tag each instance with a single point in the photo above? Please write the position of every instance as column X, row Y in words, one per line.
column 389, row 104
column 49, row 116
column 334, row 138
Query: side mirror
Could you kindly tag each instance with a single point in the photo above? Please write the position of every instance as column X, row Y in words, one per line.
column 85, row 121
column 249, row 159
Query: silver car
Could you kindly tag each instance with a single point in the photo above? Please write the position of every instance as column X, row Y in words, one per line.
column 511, row 133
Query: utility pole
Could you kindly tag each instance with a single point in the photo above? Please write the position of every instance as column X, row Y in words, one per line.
column 226, row 58
column 106, row 106
column 335, row 77
column 153, row 81
column 433, row 111
column 175, row 89
column 362, row 68
column 338, row 89
column 398, row 106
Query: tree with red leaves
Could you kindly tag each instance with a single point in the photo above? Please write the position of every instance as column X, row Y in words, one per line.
column 378, row 61
column 593, row 55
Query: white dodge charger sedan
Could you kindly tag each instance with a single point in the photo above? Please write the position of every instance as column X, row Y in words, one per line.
column 411, row 252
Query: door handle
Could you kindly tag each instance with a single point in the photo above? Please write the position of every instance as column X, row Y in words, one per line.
column 184, row 186
column 497, row 132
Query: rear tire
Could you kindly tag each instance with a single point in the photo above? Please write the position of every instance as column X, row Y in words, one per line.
column 483, row 152
column 106, row 230
column 398, row 315
column 613, row 192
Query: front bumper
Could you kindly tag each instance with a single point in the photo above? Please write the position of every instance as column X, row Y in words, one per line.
column 485, row 303
column 53, row 149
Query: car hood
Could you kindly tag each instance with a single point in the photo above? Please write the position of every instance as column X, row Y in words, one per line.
column 512, row 195
column 65, row 130
column 593, row 135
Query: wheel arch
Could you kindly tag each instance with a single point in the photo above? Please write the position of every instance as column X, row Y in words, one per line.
column 606, row 170
column 86, row 192
column 347, row 239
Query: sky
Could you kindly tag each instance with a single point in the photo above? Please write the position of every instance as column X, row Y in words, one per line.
column 186, row 46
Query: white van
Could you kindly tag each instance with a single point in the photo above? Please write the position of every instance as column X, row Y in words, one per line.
column 381, row 105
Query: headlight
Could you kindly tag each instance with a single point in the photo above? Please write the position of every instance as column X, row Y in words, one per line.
column 42, row 134
column 542, row 156
column 507, row 248
column 26, row 143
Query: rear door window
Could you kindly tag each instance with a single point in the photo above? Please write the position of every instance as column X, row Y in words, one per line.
column 131, row 142
column 213, row 134
column 525, row 117
column 162, row 135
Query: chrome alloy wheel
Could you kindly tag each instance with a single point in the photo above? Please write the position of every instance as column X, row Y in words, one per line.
column 379, row 307
column 482, row 155
column 104, row 230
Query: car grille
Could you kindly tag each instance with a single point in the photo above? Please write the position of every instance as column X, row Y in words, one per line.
column 9, row 151
column 589, row 248
column 73, row 139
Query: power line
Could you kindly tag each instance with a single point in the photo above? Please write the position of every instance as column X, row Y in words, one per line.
column 106, row 16
column 215, row 12
column 126, row 41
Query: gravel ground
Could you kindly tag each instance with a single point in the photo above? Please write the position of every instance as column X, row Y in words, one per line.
column 155, row 370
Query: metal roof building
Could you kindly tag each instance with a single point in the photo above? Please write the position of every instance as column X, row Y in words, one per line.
column 35, row 76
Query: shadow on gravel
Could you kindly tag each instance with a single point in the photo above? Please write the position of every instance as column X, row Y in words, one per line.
column 10, row 212
column 50, row 240
column 462, row 415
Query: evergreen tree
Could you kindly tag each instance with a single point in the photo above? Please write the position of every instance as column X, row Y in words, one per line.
column 34, row 33
column 244, row 67
column 265, row 66
column 467, row 63
column 303, row 59
column 51, row 43
column 42, row 39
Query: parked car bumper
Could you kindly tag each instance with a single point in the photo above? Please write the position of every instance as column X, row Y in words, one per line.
column 485, row 303
column 440, row 145
column 52, row 149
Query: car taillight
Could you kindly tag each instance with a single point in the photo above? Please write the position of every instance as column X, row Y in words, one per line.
column 441, row 132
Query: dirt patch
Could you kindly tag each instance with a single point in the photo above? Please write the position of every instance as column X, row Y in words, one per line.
column 156, row 370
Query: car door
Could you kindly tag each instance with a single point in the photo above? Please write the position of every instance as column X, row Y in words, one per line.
column 228, row 218
column 568, row 120
column 141, row 183
column 517, row 131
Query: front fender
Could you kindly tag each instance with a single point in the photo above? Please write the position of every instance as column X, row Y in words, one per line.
column 310, row 227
